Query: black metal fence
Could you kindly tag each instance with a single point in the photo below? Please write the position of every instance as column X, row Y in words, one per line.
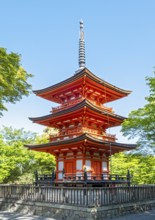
column 79, row 196
column 84, row 178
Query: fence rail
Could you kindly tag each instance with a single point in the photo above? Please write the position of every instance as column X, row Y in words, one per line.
column 78, row 196
column 82, row 177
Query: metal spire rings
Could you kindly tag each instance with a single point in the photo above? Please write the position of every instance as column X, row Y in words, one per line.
column 81, row 47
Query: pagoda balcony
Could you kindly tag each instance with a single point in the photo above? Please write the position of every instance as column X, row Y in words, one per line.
column 76, row 101
column 103, row 107
column 85, row 178
column 66, row 105
column 71, row 133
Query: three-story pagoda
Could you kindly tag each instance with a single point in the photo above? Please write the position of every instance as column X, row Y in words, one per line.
column 82, row 120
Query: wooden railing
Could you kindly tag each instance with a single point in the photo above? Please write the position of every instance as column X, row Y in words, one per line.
column 70, row 132
column 78, row 196
column 76, row 101
column 103, row 107
column 89, row 177
column 84, row 178
column 66, row 105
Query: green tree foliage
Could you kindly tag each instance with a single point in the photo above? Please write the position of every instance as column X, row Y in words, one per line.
column 13, row 79
column 141, row 122
column 142, row 167
column 17, row 164
column 13, row 137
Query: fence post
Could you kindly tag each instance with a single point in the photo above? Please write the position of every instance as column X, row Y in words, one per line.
column 85, row 175
column 53, row 175
column 36, row 177
column 128, row 177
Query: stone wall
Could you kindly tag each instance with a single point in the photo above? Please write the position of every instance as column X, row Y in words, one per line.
column 65, row 212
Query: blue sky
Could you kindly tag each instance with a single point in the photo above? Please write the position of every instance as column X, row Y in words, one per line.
column 120, row 48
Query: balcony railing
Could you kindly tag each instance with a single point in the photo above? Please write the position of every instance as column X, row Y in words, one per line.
column 103, row 107
column 76, row 101
column 95, row 178
column 83, row 177
column 66, row 105
column 76, row 131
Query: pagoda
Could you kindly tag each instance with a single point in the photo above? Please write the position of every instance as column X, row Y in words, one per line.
column 82, row 147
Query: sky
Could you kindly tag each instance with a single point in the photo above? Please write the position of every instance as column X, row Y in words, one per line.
column 119, row 44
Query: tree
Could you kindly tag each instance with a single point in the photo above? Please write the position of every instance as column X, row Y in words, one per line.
column 17, row 164
column 142, row 167
column 141, row 122
column 12, row 137
column 13, row 79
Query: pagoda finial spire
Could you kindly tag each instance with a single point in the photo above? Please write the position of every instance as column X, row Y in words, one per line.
column 81, row 47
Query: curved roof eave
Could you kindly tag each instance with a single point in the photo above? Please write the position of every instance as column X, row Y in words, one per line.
column 77, row 107
column 81, row 138
column 79, row 75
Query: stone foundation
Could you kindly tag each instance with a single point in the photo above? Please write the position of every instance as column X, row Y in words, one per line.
column 65, row 212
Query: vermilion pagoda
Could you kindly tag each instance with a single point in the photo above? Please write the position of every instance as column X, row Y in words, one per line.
column 82, row 144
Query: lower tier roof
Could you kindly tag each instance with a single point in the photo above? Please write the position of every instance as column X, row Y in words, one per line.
column 86, row 141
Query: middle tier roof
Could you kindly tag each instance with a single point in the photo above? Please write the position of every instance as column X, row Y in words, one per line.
column 84, row 110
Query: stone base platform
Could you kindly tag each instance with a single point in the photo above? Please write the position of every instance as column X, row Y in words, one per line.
column 65, row 212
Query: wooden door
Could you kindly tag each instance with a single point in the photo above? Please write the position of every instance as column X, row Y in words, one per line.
column 69, row 167
column 97, row 169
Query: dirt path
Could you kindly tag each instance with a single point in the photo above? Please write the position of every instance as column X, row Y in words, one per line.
column 15, row 216
column 147, row 215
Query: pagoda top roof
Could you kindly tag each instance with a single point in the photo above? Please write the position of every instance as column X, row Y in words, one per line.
column 80, row 105
column 87, row 138
column 77, row 76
